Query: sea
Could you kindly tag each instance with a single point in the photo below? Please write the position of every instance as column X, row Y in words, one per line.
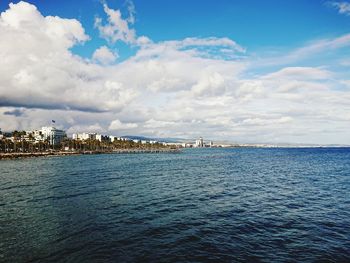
column 200, row 205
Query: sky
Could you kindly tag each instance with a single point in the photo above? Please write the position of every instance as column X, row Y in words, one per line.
column 240, row 71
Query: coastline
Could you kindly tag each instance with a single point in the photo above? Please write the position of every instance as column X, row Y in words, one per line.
column 20, row 155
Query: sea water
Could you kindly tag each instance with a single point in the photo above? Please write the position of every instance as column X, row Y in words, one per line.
column 202, row 205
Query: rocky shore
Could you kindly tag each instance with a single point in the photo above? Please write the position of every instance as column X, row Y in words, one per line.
column 17, row 155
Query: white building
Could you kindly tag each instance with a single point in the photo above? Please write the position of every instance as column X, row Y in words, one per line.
column 101, row 137
column 53, row 135
column 84, row 136
column 199, row 143
column 38, row 135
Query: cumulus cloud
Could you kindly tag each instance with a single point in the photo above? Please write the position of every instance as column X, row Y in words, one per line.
column 116, row 28
column 118, row 125
column 26, row 19
column 38, row 70
column 96, row 127
column 176, row 88
column 104, row 55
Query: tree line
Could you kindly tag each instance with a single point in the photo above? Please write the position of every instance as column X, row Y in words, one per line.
column 28, row 144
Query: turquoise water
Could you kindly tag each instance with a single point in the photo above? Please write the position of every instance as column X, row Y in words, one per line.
column 203, row 205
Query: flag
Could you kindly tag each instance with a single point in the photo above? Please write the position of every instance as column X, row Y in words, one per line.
column 53, row 121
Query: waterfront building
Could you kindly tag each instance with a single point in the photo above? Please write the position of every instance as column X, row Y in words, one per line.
column 38, row 135
column 53, row 135
column 101, row 138
column 199, row 143
column 84, row 136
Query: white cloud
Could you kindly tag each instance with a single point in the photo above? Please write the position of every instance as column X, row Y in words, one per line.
column 311, row 49
column 345, row 82
column 211, row 41
column 24, row 18
column 213, row 84
column 211, row 47
column 37, row 69
column 300, row 73
column 96, row 127
column 143, row 40
column 342, row 7
column 132, row 11
column 118, row 125
column 259, row 121
column 117, row 28
column 176, row 88
column 104, row 55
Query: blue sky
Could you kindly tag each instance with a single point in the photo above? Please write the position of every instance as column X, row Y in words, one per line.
column 246, row 71
column 257, row 25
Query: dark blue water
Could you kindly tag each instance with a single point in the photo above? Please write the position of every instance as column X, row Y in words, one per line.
column 224, row 205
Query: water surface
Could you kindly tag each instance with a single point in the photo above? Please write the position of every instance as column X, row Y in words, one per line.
column 226, row 205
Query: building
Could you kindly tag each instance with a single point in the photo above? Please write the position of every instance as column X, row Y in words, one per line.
column 84, row 136
column 53, row 135
column 199, row 143
column 38, row 135
column 101, row 138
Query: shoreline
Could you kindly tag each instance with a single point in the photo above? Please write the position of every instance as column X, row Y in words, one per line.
column 20, row 155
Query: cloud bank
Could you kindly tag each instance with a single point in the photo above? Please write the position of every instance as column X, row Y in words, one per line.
column 177, row 88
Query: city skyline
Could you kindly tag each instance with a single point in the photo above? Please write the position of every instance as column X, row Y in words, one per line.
column 243, row 71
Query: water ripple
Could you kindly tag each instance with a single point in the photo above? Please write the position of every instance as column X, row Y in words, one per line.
column 204, row 205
